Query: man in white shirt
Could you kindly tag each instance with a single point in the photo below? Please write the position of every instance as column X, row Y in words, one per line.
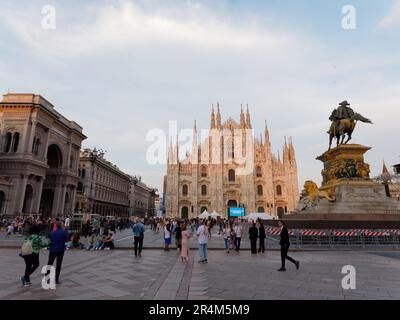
column 202, row 234
column 238, row 233
column 67, row 223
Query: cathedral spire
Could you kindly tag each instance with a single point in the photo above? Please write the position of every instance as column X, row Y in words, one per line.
column 285, row 152
column 248, row 122
column 292, row 155
column 212, row 122
column 218, row 117
column 266, row 133
column 242, row 121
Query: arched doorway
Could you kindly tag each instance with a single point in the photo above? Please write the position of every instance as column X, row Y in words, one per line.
column 185, row 213
column 203, row 209
column 46, row 202
column 28, row 199
column 2, row 201
column 54, row 156
column 55, row 162
column 281, row 212
column 261, row 210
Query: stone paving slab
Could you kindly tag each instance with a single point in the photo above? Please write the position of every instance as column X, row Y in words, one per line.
column 236, row 276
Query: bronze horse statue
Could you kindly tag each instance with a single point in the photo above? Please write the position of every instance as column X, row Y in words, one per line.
column 344, row 127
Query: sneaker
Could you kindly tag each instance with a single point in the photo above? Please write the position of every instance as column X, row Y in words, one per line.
column 200, row 261
column 282, row 269
column 205, row 261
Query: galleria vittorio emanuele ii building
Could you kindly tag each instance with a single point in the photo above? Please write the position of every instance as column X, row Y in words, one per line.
column 231, row 169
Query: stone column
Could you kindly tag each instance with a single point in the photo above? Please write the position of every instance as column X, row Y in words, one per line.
column 20, row 194
column 29, row 142
column 59, row 198
column 38, row 193
column 72, row 200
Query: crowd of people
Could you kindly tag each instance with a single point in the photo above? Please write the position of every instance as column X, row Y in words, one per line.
column 99, row 235
column 232, row 232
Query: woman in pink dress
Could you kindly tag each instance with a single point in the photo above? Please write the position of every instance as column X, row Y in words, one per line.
column 186, row 235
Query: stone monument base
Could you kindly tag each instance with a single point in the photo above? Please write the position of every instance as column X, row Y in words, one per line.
column 347, row 188
column 357, row 197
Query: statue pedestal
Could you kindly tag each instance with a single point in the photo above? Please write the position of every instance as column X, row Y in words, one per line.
column 346, row 178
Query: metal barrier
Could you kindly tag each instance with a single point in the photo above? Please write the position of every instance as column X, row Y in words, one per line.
column 337, row 238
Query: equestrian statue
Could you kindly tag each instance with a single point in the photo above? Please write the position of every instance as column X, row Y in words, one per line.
column 344, row 121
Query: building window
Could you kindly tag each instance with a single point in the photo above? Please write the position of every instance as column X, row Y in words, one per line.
column 258, row 172
column 35, row 145
column 7, row 145
column 260, row 190
column 16, row 142
column 83, row 173
column 185, row 190
column 231, row 175
column 261, row 209
column 203, row 190
column 79, row 187
column 279, row 190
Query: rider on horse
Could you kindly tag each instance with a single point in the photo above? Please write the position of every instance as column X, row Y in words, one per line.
column 344, row 120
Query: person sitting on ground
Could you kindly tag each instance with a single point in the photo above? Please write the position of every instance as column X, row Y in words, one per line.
column 76, row 241
column 99, row 242
column 92, row 241
column 108, row 242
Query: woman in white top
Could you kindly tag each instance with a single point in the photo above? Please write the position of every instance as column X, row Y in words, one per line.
column 167, row 236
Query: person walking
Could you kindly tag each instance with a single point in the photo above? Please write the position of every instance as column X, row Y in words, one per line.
column 67, row 223
column 186, row 235
column 58, row 238
column 261, row 236
column 285, row 244
column 138, row 233
column 253, row 236
column 238, row 233
column 226, row 233
column 30, row 253
column 202, row 236
column 178, row 236
column 167, row 236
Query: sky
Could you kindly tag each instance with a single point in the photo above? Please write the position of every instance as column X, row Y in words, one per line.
column 122, row 68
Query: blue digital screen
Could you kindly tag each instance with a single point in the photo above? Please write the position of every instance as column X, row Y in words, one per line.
column 236, row 212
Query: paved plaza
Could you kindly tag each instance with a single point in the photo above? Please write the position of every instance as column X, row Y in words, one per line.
column 160, row 275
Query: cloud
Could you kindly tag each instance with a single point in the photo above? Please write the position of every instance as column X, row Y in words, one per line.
column 128, row 24
column 121, row 68
column 392, row 18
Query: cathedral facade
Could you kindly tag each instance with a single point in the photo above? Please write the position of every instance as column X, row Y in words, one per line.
column 231, row 168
